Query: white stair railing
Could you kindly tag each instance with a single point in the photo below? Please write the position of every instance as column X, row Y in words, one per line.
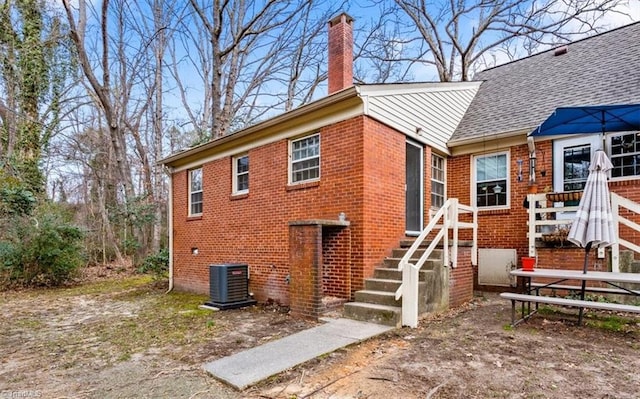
column 449, row 213
column 618, row 202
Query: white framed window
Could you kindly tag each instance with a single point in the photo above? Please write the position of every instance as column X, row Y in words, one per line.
column 195, row 192
column 304, row 159
column 625, row 155
column 571, row 160
column 241, row 174
column 437, row 181
column 490, row 180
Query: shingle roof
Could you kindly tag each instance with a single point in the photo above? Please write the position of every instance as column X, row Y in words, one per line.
column 602, row 69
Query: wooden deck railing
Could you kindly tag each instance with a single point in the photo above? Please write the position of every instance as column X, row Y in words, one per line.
column 545, row 219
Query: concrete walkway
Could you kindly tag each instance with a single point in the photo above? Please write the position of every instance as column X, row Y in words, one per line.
column 253, row 365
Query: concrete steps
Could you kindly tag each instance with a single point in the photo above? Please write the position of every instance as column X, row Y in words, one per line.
column 374, row 313
column 376, row 302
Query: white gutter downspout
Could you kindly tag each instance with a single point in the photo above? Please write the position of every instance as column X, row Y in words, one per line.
column 169, row 171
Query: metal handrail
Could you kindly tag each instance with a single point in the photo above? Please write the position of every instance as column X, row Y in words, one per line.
column 449, row 213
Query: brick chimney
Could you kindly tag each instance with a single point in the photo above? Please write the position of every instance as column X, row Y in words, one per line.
column 340, row 53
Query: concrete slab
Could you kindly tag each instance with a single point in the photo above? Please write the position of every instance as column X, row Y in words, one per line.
column 256, row 364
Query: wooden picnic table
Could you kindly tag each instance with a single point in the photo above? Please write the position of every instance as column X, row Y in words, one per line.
column 553, row 279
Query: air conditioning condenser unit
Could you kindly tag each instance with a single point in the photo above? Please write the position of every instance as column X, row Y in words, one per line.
column 229, row 286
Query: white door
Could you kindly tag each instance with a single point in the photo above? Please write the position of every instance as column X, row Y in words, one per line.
column 571, row 159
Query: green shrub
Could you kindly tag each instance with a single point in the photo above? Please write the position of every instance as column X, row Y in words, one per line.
column 44, row 249
column 15, row 201
column 156, row 264
column 9, row 259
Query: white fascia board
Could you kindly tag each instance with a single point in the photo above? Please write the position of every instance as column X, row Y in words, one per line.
column 308, row 127
column 410, row 88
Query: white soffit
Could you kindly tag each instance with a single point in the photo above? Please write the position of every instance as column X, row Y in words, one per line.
column 434, row 108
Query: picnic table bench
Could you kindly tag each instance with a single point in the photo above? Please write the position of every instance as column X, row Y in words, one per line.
column 532, row 291
column 600, row 290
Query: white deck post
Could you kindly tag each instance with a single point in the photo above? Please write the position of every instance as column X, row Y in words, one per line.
column 410, row 295
column 454, row 221
column 615, row 247
column 445, row 226
column 532, row 225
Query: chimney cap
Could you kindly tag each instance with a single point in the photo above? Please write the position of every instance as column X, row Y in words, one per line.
column 342, row 17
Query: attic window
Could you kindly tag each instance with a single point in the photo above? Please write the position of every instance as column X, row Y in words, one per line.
column 561, row 50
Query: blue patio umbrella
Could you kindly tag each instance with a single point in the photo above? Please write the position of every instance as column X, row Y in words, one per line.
column 590, row 119
column 593, row 224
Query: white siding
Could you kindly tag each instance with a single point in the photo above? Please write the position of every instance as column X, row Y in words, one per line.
column 435, row 109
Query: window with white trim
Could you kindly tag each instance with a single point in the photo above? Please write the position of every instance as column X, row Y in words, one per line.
column 576, row 161
column 571, row 159
column 195, row 192
column 491, row 183
column 304, row 158
column 437, row 181
column 625, row 155
column 241, row 174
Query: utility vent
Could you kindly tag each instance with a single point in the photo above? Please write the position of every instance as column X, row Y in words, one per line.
column 561, row 50
column 494, row 266
column 229, row 286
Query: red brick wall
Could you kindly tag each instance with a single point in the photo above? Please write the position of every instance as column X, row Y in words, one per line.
column 340, row 53
column 508, row 228
column 383, row 223
column 505, row 228
column 254, row 229
column 461, row 279
column 306, row 270
column 336, row 258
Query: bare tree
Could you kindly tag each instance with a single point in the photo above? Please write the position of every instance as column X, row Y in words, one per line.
column 129, row 93
column 101, row 88
column 454, row 35
column 380, row 49
column 304, row 50
column 252, row 48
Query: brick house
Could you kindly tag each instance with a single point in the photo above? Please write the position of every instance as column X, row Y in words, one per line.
column 345, row 178
column 234, row 198
column 489, row 147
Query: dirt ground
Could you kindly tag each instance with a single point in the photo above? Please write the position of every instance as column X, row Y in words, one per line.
column 128, row 339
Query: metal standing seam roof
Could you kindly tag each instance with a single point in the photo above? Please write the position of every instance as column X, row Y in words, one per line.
column 518, row 96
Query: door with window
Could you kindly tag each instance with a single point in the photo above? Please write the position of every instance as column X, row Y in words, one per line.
column 571, row 160
column 413, row 188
